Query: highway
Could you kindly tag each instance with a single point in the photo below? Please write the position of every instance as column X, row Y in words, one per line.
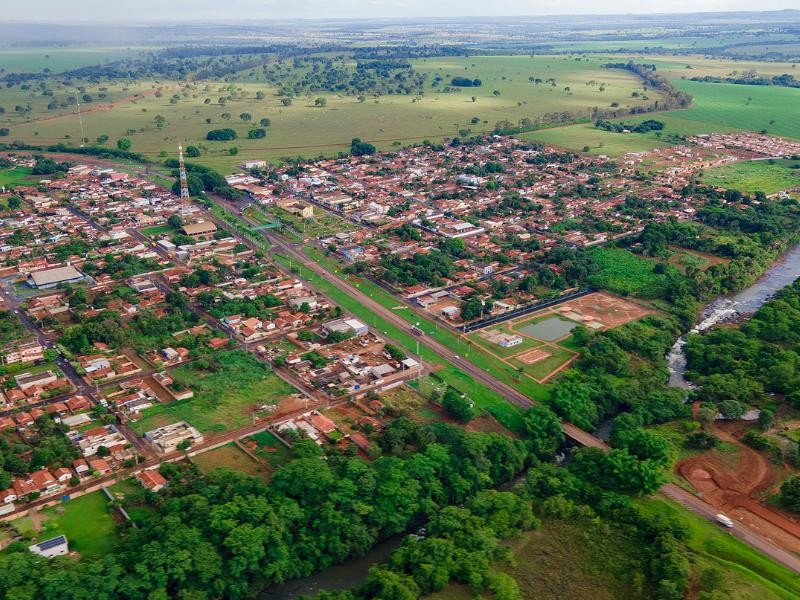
column 584, row 438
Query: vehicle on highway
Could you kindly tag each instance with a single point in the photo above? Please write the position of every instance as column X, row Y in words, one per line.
column 724, row 520
column 416, row 330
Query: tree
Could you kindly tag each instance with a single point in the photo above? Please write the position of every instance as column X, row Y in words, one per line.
column 321, row 102
column 543, row 431
column 246, row 117
column 102, row 139
column 765, row 418
column 265, row 122
column 458, row 406
column 359, row 148
column 286, row 101
column 257, row 134
column 731, row 409
column 14, row 203
column 192, row 151
column 221, row 135
column 175, row 221
column 124, row 144
column 790, row 493
column 260, row 95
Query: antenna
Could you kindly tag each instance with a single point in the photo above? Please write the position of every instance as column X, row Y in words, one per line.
column 80, row 118
column 184, row 180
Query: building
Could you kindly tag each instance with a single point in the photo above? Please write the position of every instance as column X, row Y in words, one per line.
column 349, row 326
column 199, row 231
column 295, row 207
column 152, row 480
column 57, row 546
column 22, row 353
column 509, row 341
column 167, row 439
column 50, row 278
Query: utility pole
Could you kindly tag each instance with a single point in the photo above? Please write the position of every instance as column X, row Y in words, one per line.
column 184, row 179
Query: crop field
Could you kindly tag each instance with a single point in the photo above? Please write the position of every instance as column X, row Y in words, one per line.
column 624, row 273
column 222, row 400
column 768, row 176
column 17, row 176
column 129, row 110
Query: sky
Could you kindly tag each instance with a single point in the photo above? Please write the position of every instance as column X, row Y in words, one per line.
column 88, row 11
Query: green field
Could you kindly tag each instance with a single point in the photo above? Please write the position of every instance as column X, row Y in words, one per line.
column 716, row 107
column 18, row 176
column 223, row 399
column 748, row 573
column 625, row 273
column 568, row 560
column 86, row 521
column 34, row 60
column 768, row 176
column 305, row 129
column 541, row 369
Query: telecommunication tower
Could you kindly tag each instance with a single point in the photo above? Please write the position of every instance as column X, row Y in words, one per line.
column 184, row 180
column 80, row 118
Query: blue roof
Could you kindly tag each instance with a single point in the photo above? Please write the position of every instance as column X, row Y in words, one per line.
column 52, row 543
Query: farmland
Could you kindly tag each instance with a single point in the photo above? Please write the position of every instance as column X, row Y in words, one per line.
column 303, row 128
column 716, row 107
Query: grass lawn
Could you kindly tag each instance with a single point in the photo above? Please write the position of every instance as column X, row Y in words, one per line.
column 86, row 521
column 228, row 457
column 158, row 231
column 749, row 574
column 222, row 398
column 768, row 176
column 322, row 224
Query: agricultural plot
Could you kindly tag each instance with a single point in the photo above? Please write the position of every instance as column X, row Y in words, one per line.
column 305, row 129
column 17, row 176
column 768, row 176
column 625, row 273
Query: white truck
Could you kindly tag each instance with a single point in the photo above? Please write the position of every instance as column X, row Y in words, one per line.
column 724, row 520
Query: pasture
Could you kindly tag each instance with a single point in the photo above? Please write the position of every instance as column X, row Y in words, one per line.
column 129, row 109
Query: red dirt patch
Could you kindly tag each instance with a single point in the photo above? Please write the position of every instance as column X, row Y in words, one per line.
column 532, row 356
column 736, row 488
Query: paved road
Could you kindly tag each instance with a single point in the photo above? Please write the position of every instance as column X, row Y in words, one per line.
column 757, row 541
column 578, row 435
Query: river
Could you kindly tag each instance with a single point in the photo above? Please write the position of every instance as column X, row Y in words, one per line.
column 340, row 577
column 729, row 308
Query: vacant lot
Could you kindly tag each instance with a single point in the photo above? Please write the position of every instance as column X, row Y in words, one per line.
column 228, row 457
column 768, row 176
column 224, row 394
column 17, row 176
